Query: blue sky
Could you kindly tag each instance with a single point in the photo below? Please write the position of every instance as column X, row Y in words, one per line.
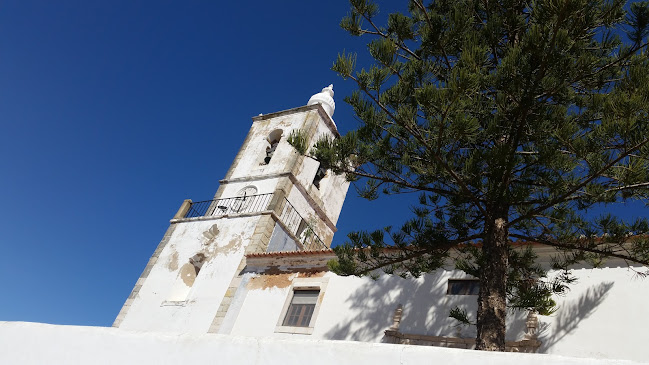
column 113, row 112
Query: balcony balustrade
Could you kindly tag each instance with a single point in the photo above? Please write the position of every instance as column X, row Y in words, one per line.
column 289, row 216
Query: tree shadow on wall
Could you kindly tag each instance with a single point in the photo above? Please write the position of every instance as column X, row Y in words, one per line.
column 571, row 314
column 371, row 306
column 369, row 309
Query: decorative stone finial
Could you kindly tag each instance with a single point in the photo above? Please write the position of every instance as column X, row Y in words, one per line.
column 326, row 99
column 532, row 324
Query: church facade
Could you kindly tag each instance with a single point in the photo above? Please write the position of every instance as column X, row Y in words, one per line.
column 252, row 262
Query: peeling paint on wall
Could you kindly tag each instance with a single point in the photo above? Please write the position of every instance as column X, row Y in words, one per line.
column 188, row 274
column 274, row 277
column 271, row 281
column 210, row 234
column 312, row 274
column 231, row 247
column 173, row 261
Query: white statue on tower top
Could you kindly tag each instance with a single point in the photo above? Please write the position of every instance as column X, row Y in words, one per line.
column 326, row 99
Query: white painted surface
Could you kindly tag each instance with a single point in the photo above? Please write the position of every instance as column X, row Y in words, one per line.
column 308, row 213
column 152, row 309
column 170, row 299
column 281, row 241
column 263, row 185
column 603, row 315
column 36, row 344
column 333, row 188
column 251, row 158
column 326, row 99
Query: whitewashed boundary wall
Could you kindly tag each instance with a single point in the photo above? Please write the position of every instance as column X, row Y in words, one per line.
column 36, row 343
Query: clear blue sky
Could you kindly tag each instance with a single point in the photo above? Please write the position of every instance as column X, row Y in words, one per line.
column 113, row 112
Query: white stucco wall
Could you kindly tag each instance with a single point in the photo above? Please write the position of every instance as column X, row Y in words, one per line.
column 153, row 309
column 170, row 298
column 35, row 344
column 263, row 185
column 308, row 213
column 333, row 188
column 248, row 170
column 602, row 316
column 360, row 309
column 250, row 159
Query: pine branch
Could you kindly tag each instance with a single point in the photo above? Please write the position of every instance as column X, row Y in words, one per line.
column 577, row 247
column 416, row 253
column 576, row 188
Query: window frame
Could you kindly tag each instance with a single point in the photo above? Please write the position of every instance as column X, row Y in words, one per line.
column 320, row 174
column 301, row 311
column 273, row 139
column 302, row 284
column 466, row 280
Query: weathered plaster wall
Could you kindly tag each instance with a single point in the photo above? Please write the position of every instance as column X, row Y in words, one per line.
column 158, row 306
column 359, row 309
column 321, row 207
column 174, row 295
column 602, row 316
column 33, row 343
column 249, row 162
column 281, row 241
column 307, row 211
column 333, row 189
column 263, row 185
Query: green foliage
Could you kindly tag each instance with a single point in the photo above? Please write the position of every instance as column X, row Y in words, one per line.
column 299, row 141
column 527, row 113
column 638, row 22
column 461, row 316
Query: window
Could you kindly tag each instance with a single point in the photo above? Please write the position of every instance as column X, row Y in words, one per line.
column 302, row 305
column 319, row 175
column 300, row 311
column 463, row 287
column 273, row 141
column 269, row 152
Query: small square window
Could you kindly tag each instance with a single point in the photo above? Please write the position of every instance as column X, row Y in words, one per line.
column 301, row 306
column 463, row 287
column 301, row 309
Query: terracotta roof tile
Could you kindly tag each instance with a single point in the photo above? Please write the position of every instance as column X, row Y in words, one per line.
column 292, row 253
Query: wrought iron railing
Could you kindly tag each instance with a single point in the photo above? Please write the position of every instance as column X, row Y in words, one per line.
column 288, row 215
column 236, row 205
column 299, row 227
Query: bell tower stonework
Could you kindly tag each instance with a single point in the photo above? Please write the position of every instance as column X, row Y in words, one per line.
column 271, row 199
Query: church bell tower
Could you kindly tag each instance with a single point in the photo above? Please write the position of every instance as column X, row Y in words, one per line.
column 271, row 199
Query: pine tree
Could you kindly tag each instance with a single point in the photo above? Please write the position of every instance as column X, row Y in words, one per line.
column 512, row 119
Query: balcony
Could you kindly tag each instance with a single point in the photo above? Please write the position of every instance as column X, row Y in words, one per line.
column 301, row 231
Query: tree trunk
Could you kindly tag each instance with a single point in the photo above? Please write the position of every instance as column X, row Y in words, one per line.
column 492, row 300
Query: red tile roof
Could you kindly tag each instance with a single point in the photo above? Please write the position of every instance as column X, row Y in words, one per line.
column 292, row 253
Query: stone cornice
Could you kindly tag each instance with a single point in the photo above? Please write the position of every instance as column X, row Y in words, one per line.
column 323, row 114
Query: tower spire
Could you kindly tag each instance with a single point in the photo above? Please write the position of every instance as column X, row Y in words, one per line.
column 326, row 99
